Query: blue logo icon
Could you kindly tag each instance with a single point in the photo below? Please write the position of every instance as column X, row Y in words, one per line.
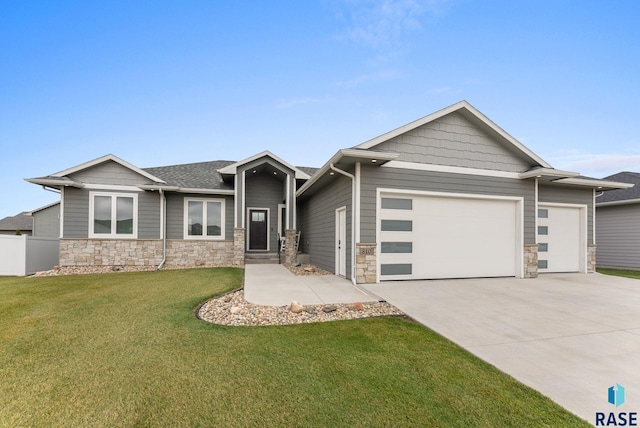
column 616, row 395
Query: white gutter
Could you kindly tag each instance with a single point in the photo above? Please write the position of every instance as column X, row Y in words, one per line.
column 353, row 218
column 163, row 226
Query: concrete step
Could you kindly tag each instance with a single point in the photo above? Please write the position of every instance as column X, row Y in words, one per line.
column 261, row 258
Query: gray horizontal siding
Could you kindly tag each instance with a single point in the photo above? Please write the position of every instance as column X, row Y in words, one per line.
column 175, row 214
column 454, row 140
column 149, row 215
column 394, row 178
column 317, row 221
column 618, row 236
column 569, row 195
column 109, row 172
column 76, row 213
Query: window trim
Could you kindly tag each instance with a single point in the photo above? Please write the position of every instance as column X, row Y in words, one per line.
column 113, row 234
column 185, row 222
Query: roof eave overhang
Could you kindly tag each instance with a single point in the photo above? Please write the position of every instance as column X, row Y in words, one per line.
column 551, row 173
column 55, row 183
column 351, row 155
column 593, row 183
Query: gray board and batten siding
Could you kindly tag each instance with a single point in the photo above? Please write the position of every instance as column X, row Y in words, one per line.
column 406, row 179
column 618, row 236
column 317, row 221
column 455, row 141
column 569, row 195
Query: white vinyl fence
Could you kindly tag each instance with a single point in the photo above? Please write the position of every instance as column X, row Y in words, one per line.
column 25, row 255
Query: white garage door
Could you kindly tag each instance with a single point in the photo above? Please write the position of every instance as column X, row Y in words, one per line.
column 560, row 231
column 432, row 236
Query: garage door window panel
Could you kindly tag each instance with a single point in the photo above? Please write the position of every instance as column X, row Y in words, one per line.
column 397, row 204
column 397, row 247
column 396, row 269
column 397, row 225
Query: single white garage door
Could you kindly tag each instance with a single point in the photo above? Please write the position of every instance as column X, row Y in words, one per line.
column 432, row 236
column 560, row 238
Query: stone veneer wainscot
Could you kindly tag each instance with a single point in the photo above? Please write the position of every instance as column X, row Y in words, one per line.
column 148, row 252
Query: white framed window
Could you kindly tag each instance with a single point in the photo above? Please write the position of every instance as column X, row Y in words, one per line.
column 113, row 215
column 204, row 218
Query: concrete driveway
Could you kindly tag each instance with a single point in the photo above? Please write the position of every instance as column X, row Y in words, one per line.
column 569, row 336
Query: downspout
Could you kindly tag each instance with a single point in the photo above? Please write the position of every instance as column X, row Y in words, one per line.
column 353, row 219
column 163, row 226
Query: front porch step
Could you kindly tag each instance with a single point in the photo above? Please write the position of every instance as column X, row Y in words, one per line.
column 261, row 258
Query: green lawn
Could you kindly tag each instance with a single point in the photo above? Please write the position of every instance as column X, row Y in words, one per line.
column 620, row 272
column 126, row 350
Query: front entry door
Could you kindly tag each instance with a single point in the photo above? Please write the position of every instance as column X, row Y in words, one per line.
column 258, row 229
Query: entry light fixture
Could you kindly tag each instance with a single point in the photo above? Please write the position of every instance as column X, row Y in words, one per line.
column 331, row 172
column 275, row 173
column 374, row 160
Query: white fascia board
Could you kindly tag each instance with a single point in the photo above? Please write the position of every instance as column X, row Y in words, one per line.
column 623, row 202
column 154, row 187
column 595, row 183
column 445, row 111
column 177, row 189
column 233, row 168
column 205, row 191
column 115, row 187
column 451, row 169
column 548, row 172
column 106, row 158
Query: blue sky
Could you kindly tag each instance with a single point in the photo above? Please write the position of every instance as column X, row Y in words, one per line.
column 166, row 82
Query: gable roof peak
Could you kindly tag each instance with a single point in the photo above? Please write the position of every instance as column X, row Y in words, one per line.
column 106, row 158
column 231, row 169
column 470, row 112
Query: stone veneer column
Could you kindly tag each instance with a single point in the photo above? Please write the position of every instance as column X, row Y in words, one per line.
column 290, row 253
column 238, row 246
column 366, row 263
column 531, row 260
column 591, row 258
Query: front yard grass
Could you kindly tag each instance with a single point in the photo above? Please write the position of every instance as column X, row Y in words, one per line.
column 126, row 350
column 635, row 274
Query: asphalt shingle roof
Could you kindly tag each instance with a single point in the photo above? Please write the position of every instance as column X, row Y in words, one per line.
column 200, row 175
column 622, row 194
column 22, row 221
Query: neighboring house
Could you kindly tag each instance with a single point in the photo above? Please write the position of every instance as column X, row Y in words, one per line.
column 22, row 222
column 451, row 195
column 46, row 221
column 618, row 224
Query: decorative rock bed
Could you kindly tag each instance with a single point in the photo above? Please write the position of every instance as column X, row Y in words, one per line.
column 232, row 309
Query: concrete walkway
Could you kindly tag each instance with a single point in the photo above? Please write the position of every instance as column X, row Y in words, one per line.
column 569, row 336
column 275, row 285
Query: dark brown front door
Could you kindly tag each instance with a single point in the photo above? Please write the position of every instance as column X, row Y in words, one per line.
column 258, row 229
